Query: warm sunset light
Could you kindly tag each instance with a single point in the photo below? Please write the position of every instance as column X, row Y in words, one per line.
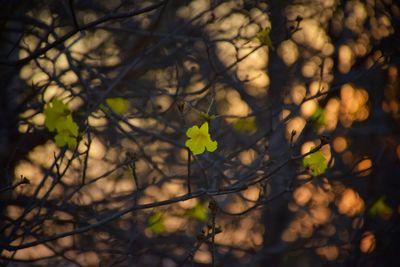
column 187, row 133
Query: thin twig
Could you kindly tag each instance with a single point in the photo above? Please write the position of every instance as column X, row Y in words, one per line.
column 23, row 180
column 188, row 172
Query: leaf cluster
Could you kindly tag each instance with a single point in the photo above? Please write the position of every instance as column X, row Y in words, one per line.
column 58, row 119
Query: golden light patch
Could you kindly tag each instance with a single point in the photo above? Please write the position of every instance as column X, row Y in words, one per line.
column 97, row 149
column 317, row 87
column 332, row 114
column 340, row 144
column 328, row 252
column 364, row 167
column 298, row 93
column 164, row 102
column 346, row 58
column 173, row 189
column 31, row 171
column 257, row 59
column 188, row 204
column 226, row 52
column 247, row 157
column 236, row 106
column 353, row 105
column 174, row 223
column 38, row 119
column 88, row 259
column 308, row 108
column 320, row 214
column 350, row 203
column 302, row 195
column 26, row 72
column 296, row 124
column 368, row 242
column 312, row 34
column 284, row 114
column 307, row 146
column 252, row 193
column 124, row 186
column 290, row 235
column 32, row 253
column 289, row 52
column 203, row 255
column 309, row 69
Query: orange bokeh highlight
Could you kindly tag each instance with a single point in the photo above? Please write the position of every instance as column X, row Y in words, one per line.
column 368, row 242
column 350, row 203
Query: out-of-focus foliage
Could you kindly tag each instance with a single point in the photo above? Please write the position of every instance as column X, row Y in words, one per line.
column 380, row 208
column 245, row 125
column 319, row 117
column 118, row 104
column 155, row 223
column 199, row 212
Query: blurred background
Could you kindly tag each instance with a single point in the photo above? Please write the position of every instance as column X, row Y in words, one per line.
column 274, row 79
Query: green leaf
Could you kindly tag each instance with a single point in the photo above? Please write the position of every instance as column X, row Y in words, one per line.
column 264, row 38
column 199, row 212
column 319, row 117
column 155, row 223
column 245, row 125
column 70, row 126
column 207, row 117
column 118, row 104
column 53, row 112
column 381, row 208
column 63, row 139
column 316, row 162
column 58, row 119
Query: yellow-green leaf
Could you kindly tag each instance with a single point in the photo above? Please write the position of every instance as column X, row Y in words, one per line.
column 206, row 116
column 54, row 111
column 58, row 119
column 381, row 208
column 245, row 125
column 155, row 223
column 319, row 117
column 264, row 38
column 118, row 104
column 63, row 139
column 316, row 162
column 199, row 212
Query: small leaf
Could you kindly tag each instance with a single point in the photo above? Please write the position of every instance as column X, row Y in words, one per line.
column 316, row 162
column 118, row 104
column 264, row 38
column 155, row 223
column 319, row 117
column 58, row 118
column 207, row 117
column 53, row 111
column 245, row 125
column 199, row 212
column 63, row 139
column 381, row 208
